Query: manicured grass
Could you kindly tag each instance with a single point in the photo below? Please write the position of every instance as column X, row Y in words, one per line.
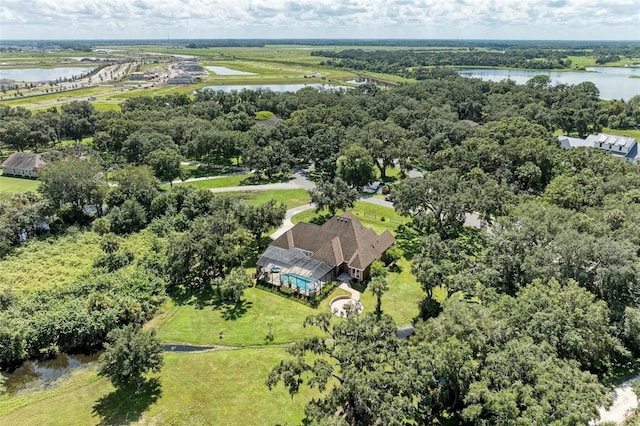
column 290, row 197
column 12, row 185
column 242, row 326
column 220, row 182
column 402, row 299
column 221, row 388
column 370, row 215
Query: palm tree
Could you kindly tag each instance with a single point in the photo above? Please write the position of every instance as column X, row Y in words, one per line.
column 378, row 286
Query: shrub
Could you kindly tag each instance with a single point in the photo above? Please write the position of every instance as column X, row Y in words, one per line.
column 129, row 218
column 264, row 115
column 101, row 226
column 114, row 261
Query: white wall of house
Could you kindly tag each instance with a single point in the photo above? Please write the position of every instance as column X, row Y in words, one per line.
column 9, row 171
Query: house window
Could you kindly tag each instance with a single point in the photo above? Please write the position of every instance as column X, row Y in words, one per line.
column 355, row 273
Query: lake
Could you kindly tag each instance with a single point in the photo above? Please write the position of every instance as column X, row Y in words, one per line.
column 272, row 87
column 613, row 83
column 227, row 71
column 45, row 373
column 42, row 74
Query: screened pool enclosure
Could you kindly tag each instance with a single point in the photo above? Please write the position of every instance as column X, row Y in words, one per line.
column 294, row 268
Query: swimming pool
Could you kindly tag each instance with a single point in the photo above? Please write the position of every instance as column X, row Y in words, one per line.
column 302, row 283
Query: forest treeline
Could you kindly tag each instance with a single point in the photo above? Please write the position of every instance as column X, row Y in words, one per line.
column 542, row 308
column 408, row 62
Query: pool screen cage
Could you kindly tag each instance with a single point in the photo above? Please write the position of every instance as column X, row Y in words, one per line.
column 294, row 261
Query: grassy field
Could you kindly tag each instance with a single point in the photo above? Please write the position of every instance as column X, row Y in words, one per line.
column 11, row 185
column 201, row 322
column 221, row 387
column 371, row 215
column 218, row 182
column 289, row 197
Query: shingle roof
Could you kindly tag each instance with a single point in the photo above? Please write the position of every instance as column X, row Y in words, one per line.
column 340, row 239
column 22, row 160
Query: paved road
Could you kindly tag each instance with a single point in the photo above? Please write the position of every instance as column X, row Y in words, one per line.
column 625, row 402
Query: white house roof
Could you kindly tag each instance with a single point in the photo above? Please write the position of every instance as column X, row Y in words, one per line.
column 569, row 142
column 619, row 146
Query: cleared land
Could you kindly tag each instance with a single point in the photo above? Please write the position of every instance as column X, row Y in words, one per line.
column 221, row 387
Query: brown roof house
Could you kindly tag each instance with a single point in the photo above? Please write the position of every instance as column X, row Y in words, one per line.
column 22, row 164
column 308, row 256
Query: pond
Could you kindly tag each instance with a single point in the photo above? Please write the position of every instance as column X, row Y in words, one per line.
column 272, row 87
column 227, row 71
column 368, row 80
column 42, row 74
column 613, row 83
column 33, row 374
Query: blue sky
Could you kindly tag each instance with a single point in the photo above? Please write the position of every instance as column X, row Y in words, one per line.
column 465, row 19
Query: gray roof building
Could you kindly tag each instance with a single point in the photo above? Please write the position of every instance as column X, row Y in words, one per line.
column 22, row 164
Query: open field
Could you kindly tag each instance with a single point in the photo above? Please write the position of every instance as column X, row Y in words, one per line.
column 11, row 185
column 201, row 321
column 220, row 387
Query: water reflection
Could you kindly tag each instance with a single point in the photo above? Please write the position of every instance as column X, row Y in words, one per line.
column 613, row 83
column 44, row 373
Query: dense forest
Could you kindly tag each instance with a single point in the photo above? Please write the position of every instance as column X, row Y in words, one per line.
column 542, row 308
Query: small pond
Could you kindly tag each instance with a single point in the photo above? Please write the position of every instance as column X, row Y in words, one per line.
column 227, row 71
column 43, row 74
column 367, row 80
column 613, row 83
column 273, row 87
column 45, row 373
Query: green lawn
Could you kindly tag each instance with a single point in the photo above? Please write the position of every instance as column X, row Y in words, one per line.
column 630, row 133
column 290, row 197
column 12, row 185
column 221, row 387
column 219, row 182
column 261, row 310
column 371, row 215
column 403, row 297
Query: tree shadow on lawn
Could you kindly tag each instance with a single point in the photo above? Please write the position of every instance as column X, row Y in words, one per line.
column 200, row 299
column 127, row 404
column 211, row 298
column 231, row 312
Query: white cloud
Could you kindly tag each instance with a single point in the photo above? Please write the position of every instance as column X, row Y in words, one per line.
column 566, row 19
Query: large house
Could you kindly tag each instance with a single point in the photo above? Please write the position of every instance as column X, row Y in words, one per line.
column 22, row 164
column 619, row 146
column 308, row 256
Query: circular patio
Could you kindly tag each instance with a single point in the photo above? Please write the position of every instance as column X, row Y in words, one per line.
column 340, row 305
